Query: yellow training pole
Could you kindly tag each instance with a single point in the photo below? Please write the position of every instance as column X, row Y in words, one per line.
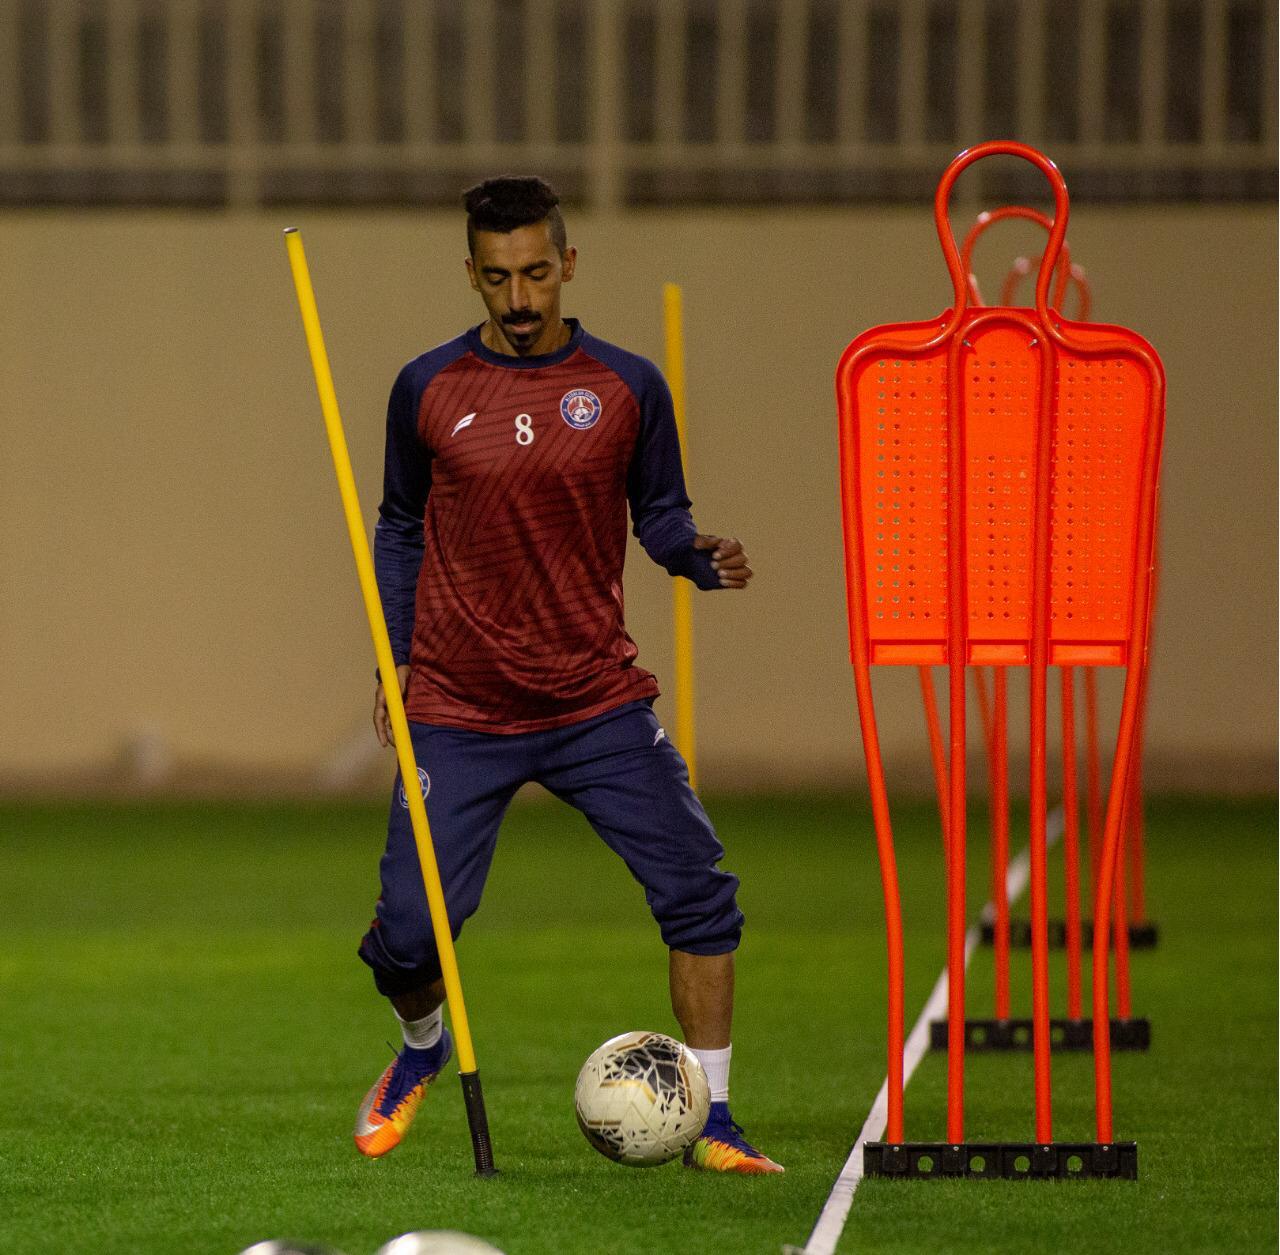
column 681, row 589
column 395, row 704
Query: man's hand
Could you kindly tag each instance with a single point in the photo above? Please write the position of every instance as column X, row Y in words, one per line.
column 382, row 720
column 727, row 558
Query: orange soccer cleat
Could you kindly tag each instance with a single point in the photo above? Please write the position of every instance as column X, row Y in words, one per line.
column 389, row 1107
column 722, row 1147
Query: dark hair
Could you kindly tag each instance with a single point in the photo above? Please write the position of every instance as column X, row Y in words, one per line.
column 511, row 201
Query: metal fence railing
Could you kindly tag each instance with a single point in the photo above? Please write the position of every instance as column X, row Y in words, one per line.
column 249, row 102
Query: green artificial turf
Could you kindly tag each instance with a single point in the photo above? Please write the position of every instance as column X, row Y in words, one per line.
column 185, row 1033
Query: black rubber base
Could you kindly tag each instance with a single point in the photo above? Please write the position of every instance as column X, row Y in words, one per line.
column 1142, row 936
column 478, row 1122
column 1064, row 1035
column 1008, row 1161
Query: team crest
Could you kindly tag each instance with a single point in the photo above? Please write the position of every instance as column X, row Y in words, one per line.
column 425, row 780
column 580, row 408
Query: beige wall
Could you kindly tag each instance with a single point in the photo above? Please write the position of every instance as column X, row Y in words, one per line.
column 173, row 558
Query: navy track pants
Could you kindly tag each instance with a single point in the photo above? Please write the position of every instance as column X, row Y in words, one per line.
column 619, row 769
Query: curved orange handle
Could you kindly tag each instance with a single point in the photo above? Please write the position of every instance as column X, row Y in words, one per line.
column 988, row 218
column 1057, row 230
column 1022, row 267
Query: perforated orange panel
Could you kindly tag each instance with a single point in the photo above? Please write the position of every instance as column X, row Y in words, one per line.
column 1099, row 422
column 904, row 494
column 1101, row 408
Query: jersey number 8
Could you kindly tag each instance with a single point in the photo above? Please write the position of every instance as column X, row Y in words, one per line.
column 524, row 429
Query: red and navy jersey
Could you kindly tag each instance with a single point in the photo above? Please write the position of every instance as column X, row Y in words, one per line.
column 503, row 527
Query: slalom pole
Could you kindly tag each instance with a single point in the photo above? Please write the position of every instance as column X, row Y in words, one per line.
column 470, row 1076
column 681, row 589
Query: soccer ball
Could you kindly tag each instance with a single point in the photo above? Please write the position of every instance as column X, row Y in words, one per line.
column 274, row 1247
column 437, row 1242
column 642, row 1099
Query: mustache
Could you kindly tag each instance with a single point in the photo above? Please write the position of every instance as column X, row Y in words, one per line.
column 520, row 315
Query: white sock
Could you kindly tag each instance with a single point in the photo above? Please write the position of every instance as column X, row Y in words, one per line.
column 424, row 1033
column 716, row 1065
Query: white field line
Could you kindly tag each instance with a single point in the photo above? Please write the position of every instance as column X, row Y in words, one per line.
column 835, row 1212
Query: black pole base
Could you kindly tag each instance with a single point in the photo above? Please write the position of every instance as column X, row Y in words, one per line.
column 1143, row 935
column 1007, row 1161
column 478, row 1123
column 1065, row 1036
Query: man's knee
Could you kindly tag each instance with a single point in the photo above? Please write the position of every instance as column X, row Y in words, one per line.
column 699, row 913
column 400, row 947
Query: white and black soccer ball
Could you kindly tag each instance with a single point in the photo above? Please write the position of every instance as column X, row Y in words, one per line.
column 437, row 1242
column 642, row 1099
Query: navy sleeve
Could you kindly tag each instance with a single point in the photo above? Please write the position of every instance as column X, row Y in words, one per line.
column 655, row 487
column 397, row 541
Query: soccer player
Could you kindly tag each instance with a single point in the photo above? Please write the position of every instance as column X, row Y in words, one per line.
column 513, row 454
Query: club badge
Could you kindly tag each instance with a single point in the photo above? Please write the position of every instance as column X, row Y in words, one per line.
column 425, row 781
column 580, row 408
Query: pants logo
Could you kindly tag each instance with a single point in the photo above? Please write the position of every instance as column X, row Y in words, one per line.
column 424, row 780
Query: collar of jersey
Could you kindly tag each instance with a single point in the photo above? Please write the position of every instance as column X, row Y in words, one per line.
column 477, row 346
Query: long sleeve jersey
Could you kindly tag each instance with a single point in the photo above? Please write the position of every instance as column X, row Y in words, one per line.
column 502, row 531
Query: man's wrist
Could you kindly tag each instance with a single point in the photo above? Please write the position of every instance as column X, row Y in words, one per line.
column 696, row 567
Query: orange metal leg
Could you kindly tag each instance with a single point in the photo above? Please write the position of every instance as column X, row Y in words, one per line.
column 1039, row 802
column 956, row 906
column 984, row 708
column 1000, row 838
column 1040, row 912
column 1107, row 885
column 1124, row 993
column 957, row 660
column 889, row 888
column 936, row 752
column 1071, row 840
column 1093, row 774
column 995, row 736
column 995, row 727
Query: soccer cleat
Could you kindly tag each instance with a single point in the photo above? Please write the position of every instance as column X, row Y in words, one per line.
column 389, row 1107
column 722, row 1147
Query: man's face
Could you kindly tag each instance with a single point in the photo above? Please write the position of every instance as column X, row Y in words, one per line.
column 518, row 275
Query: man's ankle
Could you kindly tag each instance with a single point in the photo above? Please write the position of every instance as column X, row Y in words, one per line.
column 424, row 1033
